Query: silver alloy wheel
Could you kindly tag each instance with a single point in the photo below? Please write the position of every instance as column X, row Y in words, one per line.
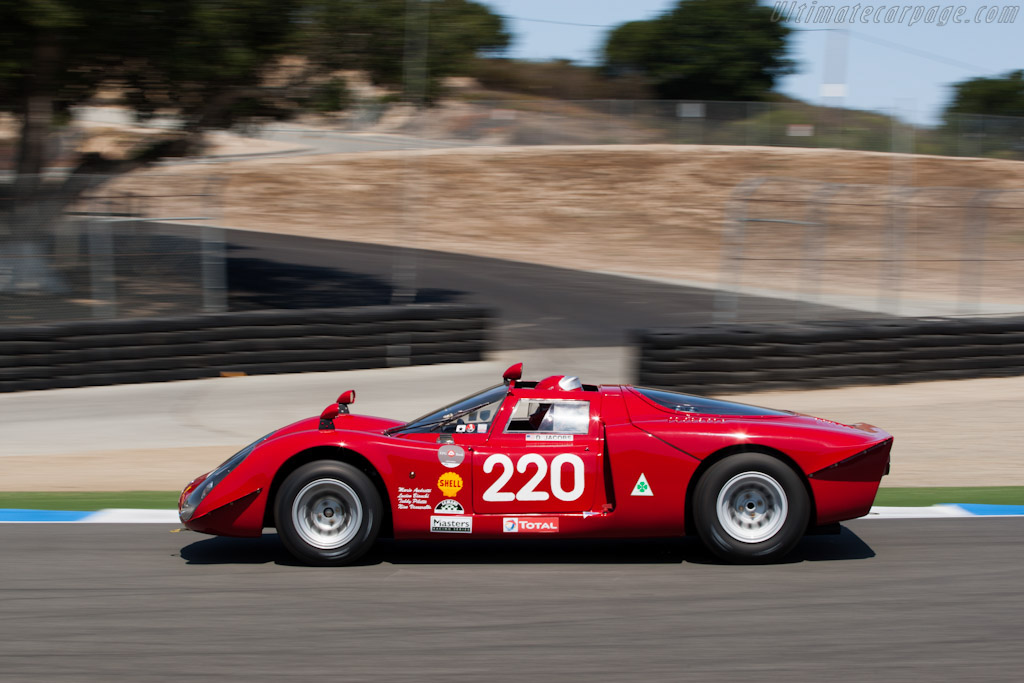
column 752, row 507
column 327, row 514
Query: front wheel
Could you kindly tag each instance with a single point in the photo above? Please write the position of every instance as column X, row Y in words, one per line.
column 327, row 513
column 750, row 507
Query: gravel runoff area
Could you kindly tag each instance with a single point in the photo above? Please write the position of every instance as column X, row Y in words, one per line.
column 158, row 436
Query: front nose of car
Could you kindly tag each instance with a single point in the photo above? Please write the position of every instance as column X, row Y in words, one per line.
column 186, row 501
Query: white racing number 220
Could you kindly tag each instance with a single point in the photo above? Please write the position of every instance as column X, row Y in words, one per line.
column 529, row 492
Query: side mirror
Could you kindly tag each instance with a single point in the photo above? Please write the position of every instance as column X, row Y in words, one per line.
column 345, row 399
column 327, row 417
column 513, row 374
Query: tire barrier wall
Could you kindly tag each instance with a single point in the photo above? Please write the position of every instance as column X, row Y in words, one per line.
column 724, row 358
column 91, row 353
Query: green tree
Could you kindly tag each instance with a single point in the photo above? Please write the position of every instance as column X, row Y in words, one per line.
column 1001, row 96
column 197, row 60
column 207, row 63
column 704, row 50
column 409, row 44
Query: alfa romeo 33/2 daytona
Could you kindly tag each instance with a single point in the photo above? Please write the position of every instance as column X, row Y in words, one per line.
column 549, row 457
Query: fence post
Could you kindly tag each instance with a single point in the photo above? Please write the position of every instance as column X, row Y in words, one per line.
column 213, row 267
column 891, row 281
column 815, row 239
column 213, row 258
column 726, row 302
column 101, row 266
column 972, row 247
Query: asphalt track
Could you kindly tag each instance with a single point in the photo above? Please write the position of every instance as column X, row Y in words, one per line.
column 893, row 600
column 536, row 306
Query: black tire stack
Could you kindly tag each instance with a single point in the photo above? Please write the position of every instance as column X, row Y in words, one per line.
column 722, row 358
column 89, row 353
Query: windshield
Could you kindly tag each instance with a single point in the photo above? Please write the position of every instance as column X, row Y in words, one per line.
column 462, row 407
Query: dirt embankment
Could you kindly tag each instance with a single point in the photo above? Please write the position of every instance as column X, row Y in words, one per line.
column 652, row 210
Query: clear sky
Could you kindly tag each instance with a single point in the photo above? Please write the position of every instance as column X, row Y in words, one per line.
column 903, row 67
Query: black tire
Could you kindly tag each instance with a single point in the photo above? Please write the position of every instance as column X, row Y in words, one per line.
column 307, row 513
column 778, row 517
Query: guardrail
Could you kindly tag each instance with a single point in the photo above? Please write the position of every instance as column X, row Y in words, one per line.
column 90, row 353
column 722, row 358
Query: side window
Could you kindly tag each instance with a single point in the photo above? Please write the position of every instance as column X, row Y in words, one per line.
column 477, row 421
column 558, row 417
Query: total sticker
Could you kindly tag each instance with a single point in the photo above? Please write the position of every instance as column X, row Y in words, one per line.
column 450, row 484
column 451, row 456
column 541, row 525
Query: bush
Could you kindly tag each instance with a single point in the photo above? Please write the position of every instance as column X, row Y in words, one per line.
column 557, row 79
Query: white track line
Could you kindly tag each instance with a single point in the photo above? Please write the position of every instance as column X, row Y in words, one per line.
column 125, row 516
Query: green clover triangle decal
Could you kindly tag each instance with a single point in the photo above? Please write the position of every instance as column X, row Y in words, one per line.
column 642, row 487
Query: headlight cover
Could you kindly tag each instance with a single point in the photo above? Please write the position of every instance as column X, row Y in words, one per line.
column 193, row 498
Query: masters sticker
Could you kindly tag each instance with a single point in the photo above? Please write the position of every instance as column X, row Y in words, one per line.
column 449, row 507
column 451, row 456
column 450, row 483
column 451, row 525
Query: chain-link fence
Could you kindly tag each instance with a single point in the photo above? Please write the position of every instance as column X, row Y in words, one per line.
column 536, row 121
column 110, row 247
column 889, row 249
column 543, row 121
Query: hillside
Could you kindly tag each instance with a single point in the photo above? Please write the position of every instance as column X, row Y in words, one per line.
column 650, row 210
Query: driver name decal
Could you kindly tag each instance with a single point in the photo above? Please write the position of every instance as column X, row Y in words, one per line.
column 450, row 483
column 549, row 437
column 413, row 499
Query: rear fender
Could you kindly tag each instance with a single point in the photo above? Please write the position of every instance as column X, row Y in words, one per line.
column 724, row 453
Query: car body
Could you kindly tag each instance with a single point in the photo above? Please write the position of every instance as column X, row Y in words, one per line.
column 553, row 457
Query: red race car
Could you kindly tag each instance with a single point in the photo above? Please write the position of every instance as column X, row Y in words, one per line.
column 551, row 457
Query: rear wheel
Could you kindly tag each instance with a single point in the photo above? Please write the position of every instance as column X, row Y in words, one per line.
column 327, row 513
column 750, row 507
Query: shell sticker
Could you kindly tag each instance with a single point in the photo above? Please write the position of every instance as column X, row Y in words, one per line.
column 450, row 484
